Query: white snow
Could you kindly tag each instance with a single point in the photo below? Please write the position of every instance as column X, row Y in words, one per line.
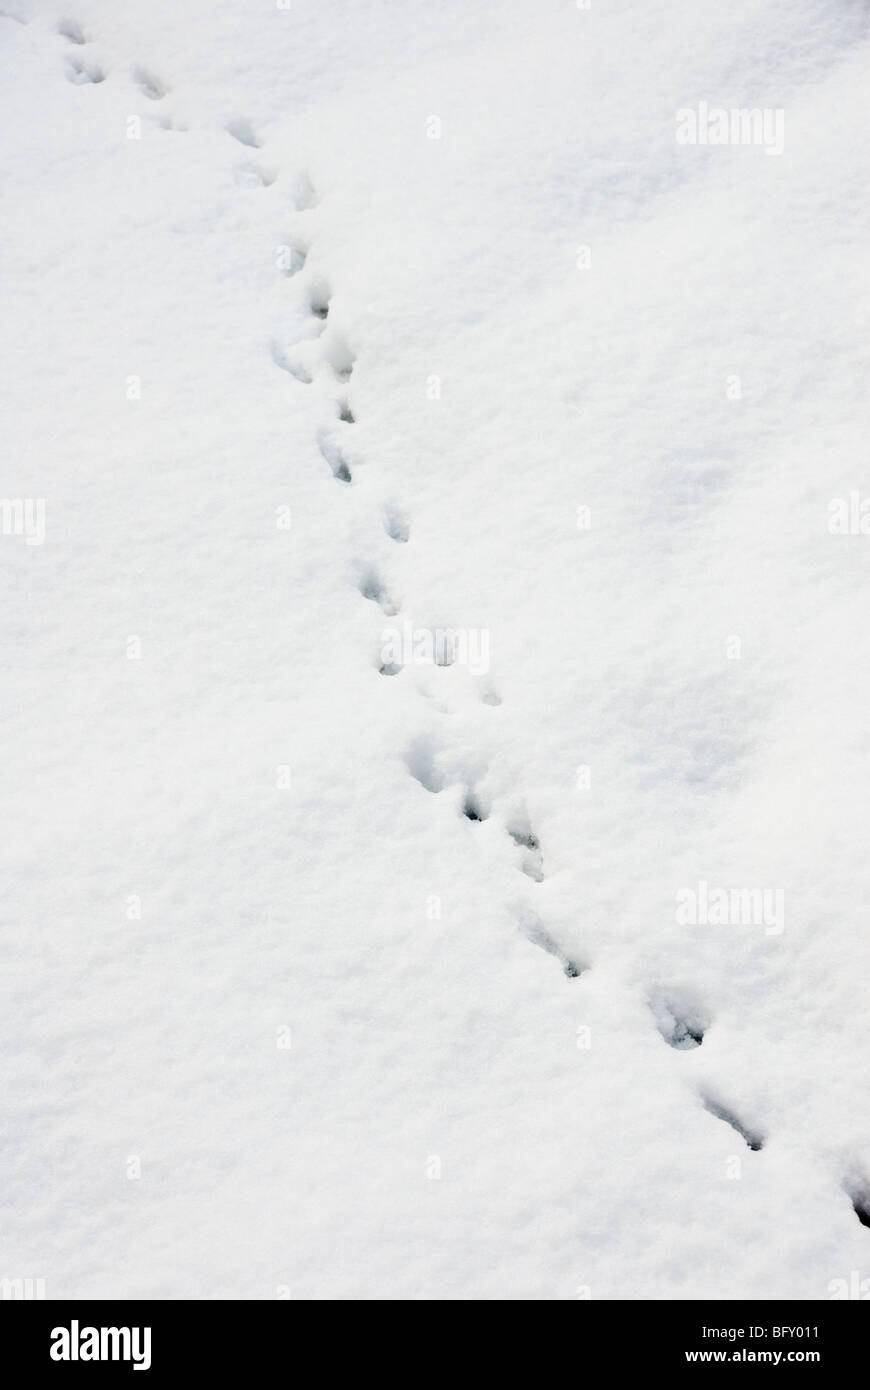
column 358, row 1045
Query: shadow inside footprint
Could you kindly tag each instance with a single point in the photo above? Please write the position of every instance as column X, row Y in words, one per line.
column 340, row 359
column 249, row 176
column 334, row 457
column 294, row 369
column 681, row 1023
column 533, row 860
column 80, row 72
column 72, row 30
column 861, row 1207
column 857, row 1190
column 396, row 526
column 473, row 808
column 302, row 193
column 318, row 300
column 422, row 763
column 750, row 1137
column 685, row 1036
column 149, row 85
column 532, row 928
column 242, row 130
column 372, row 588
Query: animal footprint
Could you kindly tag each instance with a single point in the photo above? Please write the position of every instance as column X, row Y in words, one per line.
column 861, row 1207
column 858, row 1192
column 396, row 526
column 250, row 176
column 72, row 30
column 373, row 588
column 422, row 763
column 473, row 807
column 149, row 85
column 532, row 928
column 533, row 861
column 302, row 193
column 340, row 358
column 318, row 300
column 334, row 457
column 681, row 1024
column 80, row 72
column 287, row 364
column 751, row 1138
column 242, row 130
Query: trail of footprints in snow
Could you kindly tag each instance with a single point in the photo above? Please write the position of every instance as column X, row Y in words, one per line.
column 338, row 356
column 682, row 1028
column 371, row 586
column 82, row 69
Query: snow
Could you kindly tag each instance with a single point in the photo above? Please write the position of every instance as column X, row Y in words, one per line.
column 281, row 1018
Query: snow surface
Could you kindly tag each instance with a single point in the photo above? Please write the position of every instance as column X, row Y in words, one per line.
column 359, row 1045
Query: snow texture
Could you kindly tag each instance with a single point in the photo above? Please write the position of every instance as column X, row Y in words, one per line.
column 434, row 690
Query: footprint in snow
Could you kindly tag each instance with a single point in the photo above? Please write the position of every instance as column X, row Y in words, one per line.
column 423, row 762
column 857, row 1188
column 81, row 72
column 149, row 85
column 302, row 194
column 474, row 808
column 396, row 526
column 318, row 300
column 533, row 860
column 372, row 587
column 533, row 929
column 334, row 457
column 290, row 365
column 250, row 176
column 751, row 1137
column 242, row 130
column 860, row 1199
column 340, row 358
column 71, row 29
column 681, row 1022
